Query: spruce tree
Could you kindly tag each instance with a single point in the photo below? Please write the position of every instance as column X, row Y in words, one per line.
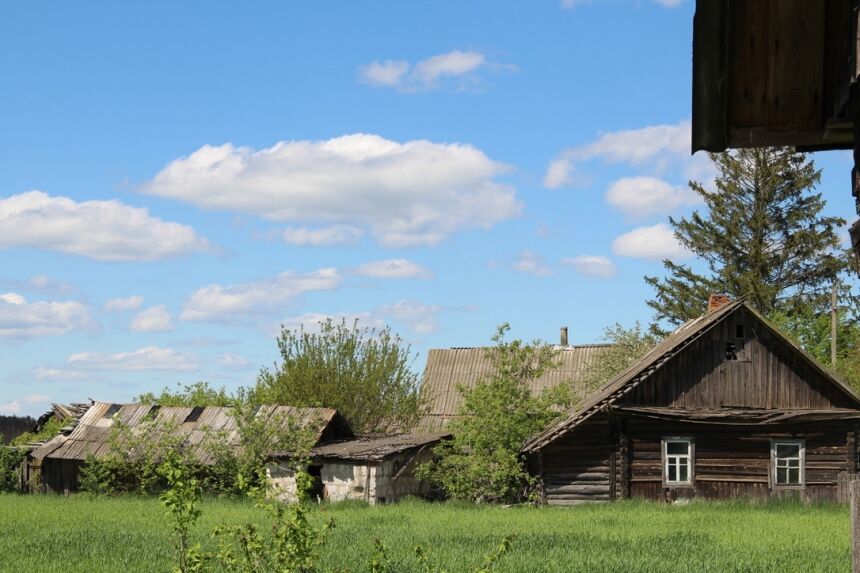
column 762, row 235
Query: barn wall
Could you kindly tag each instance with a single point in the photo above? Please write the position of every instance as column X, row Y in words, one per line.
column 734, row 461
column 59, row 476
column 768, row 373
column 579, row 466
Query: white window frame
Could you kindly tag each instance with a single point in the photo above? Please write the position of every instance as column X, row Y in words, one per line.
column 774, row 462
column 690, row 458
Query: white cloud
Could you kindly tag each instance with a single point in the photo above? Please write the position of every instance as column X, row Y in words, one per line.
column 240, row 301
column 669, row 3
column 48, row 373
column 36, row 399
column 645, row 196
column 10, row 408
column 50, row 285
column 453, row 70
column 323, row 236
column 393, row 269
column 657, row 146
column 310, row 321
column 149, row 358
column 133, row 302
column 101, row 230
column 420, row 317
column 389, row 73
column 653, row 243
column 231, row 361
column 153, row 319
column 592, row 266
column 570, row 4
column 413, row 193
column 20, row 319
column 531, row 263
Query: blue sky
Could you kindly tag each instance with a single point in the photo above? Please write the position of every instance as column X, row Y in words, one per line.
column 179, row 179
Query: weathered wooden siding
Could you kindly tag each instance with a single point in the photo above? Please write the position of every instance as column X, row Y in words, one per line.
column 768, row 373
column 580, row 466
column 58, row 476
column 734, row 461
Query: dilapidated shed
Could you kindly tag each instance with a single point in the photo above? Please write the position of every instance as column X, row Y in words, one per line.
column 376, row 469
column 55, row 465
column 726, row 406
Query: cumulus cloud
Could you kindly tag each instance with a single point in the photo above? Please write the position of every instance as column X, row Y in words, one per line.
column 531, row 263
column 240, row 301
column 310, row 321
column 323, row 236
column 393, row 269
column 658, row 146
column 453, row 70
column 413, row 193
column 153, row 319
column 592, row 266
column 231, row 361
column 100, row 230
column 20, row 319
column 149, row 358
column 420, row 317
column 133, row 302
column 49, row 373
column 653, row 243
column 14, row 407
column 645, row 196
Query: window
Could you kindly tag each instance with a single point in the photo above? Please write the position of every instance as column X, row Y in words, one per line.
column 739, row 331
column 677, row 461
column 731, row 351
column 788, row 458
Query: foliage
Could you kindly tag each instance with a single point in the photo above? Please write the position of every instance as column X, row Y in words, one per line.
column 51, row 428
column 129, row 535
column 13, row 426
column 627, row 346
column 363, row 373
column 197, row 394
column 182, row 501
column 812, row 330
column 482, row 461
column 762, row 235
column 10, row 467
column 380, row 562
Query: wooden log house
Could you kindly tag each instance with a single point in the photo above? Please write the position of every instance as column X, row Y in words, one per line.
column 725, row 407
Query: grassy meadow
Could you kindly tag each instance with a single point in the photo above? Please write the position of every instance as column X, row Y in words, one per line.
column 79, row 533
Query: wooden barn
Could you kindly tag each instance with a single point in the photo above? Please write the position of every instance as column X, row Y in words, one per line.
column 54, row 467
column 449, row 368
column 726, row 406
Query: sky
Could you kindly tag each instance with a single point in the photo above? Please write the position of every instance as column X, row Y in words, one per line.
column 179, row 180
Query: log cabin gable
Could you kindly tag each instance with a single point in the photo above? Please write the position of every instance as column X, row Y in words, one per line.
column 741, row 362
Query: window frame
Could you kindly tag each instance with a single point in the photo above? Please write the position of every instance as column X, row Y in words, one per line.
column 801, row 457
column 664, row 459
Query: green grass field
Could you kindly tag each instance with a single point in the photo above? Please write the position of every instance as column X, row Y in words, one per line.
column 126, row 535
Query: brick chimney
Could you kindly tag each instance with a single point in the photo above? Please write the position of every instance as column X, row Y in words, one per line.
column 563, row 337
column 715, row 301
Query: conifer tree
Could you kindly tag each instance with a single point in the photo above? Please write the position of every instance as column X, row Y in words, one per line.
column 762, row 235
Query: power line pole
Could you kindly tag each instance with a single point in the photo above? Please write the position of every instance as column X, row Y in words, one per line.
column 833, row 323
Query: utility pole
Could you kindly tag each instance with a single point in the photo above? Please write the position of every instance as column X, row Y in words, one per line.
column 833, row 323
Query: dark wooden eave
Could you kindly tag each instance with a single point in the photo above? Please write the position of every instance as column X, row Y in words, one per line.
column 739, row 416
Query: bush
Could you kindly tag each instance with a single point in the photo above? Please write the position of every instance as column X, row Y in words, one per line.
column 10, row 468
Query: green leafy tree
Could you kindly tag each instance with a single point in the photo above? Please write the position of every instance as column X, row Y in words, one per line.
column 363, row 373
column 762, row 235
column 482, row 462
column 197, row 394
column 812, row 330
column 627, row 346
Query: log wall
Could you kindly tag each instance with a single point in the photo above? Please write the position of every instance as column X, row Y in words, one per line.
column 734, row 461
column 579, row 467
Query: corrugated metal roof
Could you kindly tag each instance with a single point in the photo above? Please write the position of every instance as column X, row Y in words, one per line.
column 92, row 433
column 448, row 368
column 374, row 448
